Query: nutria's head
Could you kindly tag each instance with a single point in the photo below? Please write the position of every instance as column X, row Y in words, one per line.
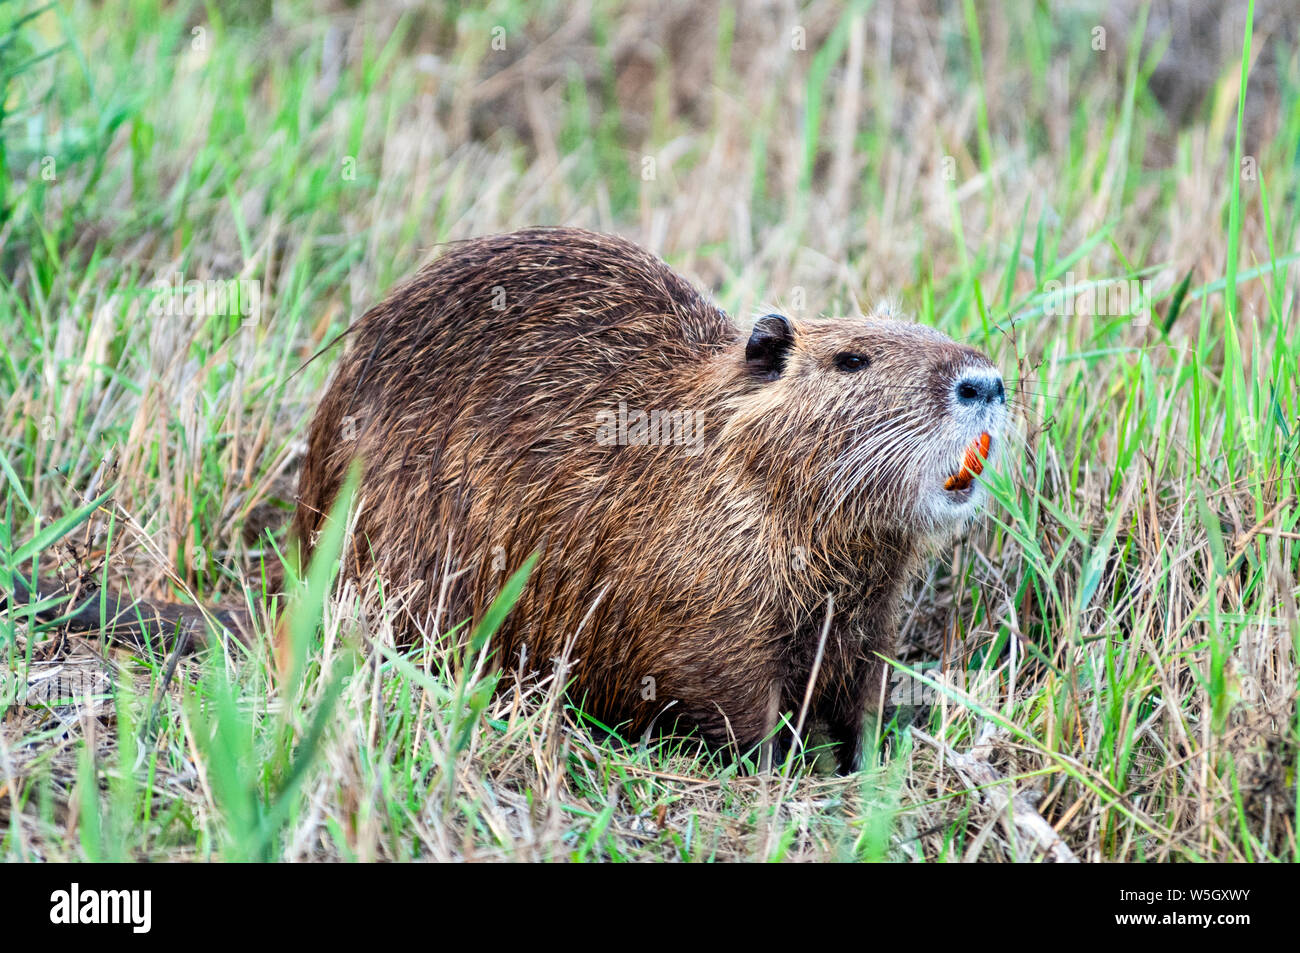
column 870, row 423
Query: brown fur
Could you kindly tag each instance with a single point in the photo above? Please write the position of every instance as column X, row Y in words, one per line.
column 473, row 397
column 707, row 571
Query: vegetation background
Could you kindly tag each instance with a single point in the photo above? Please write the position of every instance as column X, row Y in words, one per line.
column 1106, row 664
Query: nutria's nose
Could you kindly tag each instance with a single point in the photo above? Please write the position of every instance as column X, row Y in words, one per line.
column 981, row 389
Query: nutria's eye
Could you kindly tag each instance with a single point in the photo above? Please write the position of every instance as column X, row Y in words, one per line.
column 851, row 362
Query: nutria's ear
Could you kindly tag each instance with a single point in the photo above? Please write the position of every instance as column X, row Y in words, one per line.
column 768, row 346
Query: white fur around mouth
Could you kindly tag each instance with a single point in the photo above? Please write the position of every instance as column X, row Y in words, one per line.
column 960, row 496
column 954, row 504
column 947, row 510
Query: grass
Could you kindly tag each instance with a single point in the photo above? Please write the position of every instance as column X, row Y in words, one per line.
column 1116, row 640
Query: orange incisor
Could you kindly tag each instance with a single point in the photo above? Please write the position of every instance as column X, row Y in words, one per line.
column 972, row 464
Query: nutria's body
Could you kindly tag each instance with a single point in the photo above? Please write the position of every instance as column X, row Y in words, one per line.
column 493, row 404
column 747, row 556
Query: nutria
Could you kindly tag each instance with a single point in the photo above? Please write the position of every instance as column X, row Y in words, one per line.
column 724, row 519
